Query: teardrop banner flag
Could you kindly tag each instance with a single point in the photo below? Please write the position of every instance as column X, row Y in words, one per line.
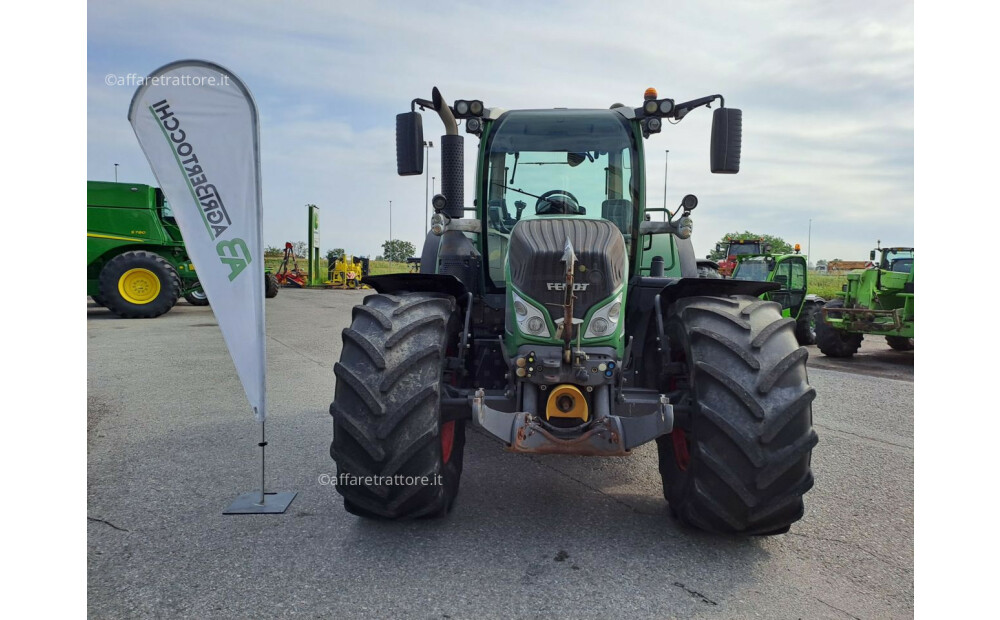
column 197, row 124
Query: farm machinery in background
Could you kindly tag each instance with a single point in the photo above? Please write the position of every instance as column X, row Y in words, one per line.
column 877, row 301
column 346, row 272
column 570, row 325
column 137, row 264
column 293, row 278
column 791, row 272
column 733, row 248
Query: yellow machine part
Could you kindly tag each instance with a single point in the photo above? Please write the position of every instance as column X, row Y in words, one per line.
column 567, row 401
column 346, row 273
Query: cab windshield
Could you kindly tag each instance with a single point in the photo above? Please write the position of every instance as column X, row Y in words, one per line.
column 579, row 163
column 897, row 259
column 755, row 269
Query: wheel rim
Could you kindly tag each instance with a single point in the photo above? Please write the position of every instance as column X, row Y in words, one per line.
column 199, row 295
column 447, row 440
column 139, row 286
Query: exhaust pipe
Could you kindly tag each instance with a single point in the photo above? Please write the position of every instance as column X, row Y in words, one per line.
column 452, row 159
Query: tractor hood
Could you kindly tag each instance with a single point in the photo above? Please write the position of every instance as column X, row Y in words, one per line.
column 537, row 269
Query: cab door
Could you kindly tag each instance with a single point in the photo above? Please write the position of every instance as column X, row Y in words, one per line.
column 790, row 273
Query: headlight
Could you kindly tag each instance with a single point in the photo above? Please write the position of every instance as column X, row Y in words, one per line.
column 530, row 319
column 605, row 320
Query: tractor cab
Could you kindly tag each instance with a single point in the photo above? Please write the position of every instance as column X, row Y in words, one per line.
column 789, row 271
column 555, row 164
column 899, row 260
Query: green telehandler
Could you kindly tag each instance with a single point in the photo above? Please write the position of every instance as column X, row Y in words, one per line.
column 791, row 272
column 555, row 316
column 876, row 301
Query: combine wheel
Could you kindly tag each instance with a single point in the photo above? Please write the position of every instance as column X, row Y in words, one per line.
column 139, row 285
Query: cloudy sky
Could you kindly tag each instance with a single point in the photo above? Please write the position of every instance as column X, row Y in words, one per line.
column 826, row 91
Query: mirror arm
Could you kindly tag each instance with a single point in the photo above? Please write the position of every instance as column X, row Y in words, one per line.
column 681, row 109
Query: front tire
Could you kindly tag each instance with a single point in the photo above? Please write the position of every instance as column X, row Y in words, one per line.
column 740, row 462
column 387, row 409
column 836, row 342
column 899, row 343
column 270, row 285
column 805, row 326
column 139, row 285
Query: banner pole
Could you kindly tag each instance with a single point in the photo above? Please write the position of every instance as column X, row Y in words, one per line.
column 263, row 446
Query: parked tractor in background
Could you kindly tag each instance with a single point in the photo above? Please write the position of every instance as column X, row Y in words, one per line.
column 733, row 248
column 570, row 325
column 876, row 301
column 791, row 272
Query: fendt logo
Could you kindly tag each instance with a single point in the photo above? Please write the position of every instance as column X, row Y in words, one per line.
column 561, row 286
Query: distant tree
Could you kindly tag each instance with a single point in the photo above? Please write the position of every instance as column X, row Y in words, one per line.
column 778, row 245
column 300, row 248
column 821, row 262
column 398, row 250
column 334, row 254
column 273, row 251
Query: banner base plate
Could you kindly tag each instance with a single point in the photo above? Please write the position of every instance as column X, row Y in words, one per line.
column 249, row 503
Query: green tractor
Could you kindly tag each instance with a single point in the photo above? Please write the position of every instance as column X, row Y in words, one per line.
column 876, row 301
column 137, row 265
column 570, row 324
column 791, row 272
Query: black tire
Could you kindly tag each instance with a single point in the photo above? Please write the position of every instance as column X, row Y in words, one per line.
column 156, row 274
column 805, row 326
column 386, row 408
column 836, row 342
column 197, row 298
column 899, row 343
column 748, row 439
column 99, row 300
column 270, row 285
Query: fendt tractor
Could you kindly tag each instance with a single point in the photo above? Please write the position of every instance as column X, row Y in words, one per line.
column 571, row 324
column 137, row 264
column 791, row 273
column 876, row 301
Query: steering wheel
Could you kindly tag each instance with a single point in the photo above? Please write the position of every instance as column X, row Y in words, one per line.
column 557, row 201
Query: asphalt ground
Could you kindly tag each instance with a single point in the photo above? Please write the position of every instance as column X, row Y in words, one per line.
column 171, row 442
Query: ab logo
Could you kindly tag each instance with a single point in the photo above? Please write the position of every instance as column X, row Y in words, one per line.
column 235, row 254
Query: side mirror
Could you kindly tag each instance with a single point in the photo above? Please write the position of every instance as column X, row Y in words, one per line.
column 871, row 256
column 727, row 139
column 409, row 144
column 689, row 202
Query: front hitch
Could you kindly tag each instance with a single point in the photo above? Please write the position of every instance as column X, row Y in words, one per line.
column 608, row 436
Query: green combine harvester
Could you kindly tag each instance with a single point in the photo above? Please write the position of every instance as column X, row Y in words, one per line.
column 137, row 265
column 560, row 315
column 877, row 301
column 791, row 272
